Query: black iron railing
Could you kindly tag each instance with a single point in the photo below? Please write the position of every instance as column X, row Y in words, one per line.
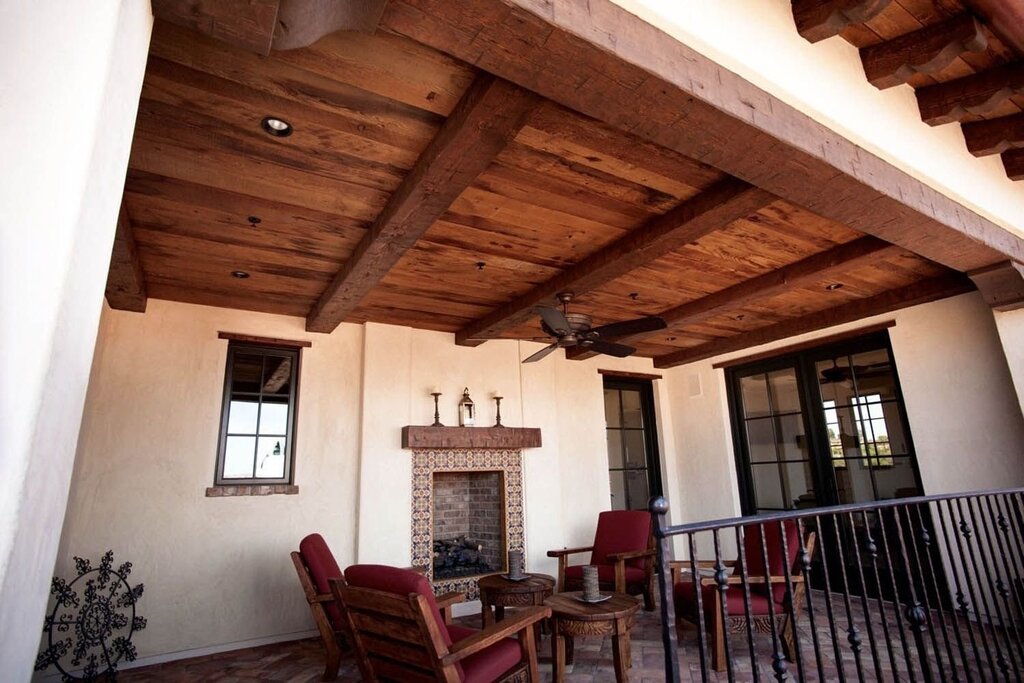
column 916, row 589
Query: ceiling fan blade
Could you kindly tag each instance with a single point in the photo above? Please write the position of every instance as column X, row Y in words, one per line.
column 543, row 353
column 555, row 320
column 651, row 323
column 610, row 348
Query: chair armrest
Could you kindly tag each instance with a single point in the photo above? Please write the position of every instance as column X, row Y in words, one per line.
column 322, row 597
column 631, row 555
column 523, row 618
column 569, row 551
column 445, row 602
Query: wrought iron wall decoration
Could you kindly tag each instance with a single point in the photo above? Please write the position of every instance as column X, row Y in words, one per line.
column 89, row 632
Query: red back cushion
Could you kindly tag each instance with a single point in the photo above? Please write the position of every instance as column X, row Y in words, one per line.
column 398, row 581
column 323, row 568
column 620, row 531
column 776, row 559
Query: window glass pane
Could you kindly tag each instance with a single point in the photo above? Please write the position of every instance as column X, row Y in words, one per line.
column 896, row 480
column 615, row 448
column 277, row 376
column 636, row 487
column 247, row 373
column 270, row 457
column 767, row 487
column 274, row 418
column 792, row 440
column 242, row 417
column 618, row 482
column 754, row 391
column 632, row 416
column 873, row 371
column 612, row 408
column 239, row 452
column 761, row 440
column 800, row 484
column 835, row 379
column 636, row 453
column 784, row 390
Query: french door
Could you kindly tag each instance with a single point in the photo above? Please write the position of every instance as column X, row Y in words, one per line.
column 634, row 468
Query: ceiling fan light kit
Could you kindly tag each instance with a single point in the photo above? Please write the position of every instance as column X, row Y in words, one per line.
column 576, row 330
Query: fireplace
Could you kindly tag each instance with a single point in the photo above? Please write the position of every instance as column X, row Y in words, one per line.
column 469, row 523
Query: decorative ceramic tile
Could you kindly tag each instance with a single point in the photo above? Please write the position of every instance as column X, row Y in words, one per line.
column 426, row 461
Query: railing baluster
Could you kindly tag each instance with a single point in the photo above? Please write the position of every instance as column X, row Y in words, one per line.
column 852, row 632
column 872, row 549
column 896, row 600
column 961, row 601
column 966, row 532
column 722, row 583
column 999, row 594
column 914, row 557
column 778, row 660
column 659, row 510
column 916, row 614
column 864, row 597
column 926, row 539
column 805, row 567
column 963, row 533
column 828, row 601
column 793, row 622
column 742, row 563
column 698, row 591
column 1014, row 540
column 998, row 527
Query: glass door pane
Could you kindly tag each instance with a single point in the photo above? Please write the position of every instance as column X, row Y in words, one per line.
column 629, row 428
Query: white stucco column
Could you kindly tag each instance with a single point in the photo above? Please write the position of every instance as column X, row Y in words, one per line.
column 1010, row 325
column 70, row 74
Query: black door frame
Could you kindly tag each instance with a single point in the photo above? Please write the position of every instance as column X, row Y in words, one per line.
column 646, row 389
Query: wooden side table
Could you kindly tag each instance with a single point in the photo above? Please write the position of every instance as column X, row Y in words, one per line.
column 571, row 618
column 499, row 593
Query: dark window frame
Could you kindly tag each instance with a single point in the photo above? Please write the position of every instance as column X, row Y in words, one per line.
column 292, row 352
column 645, row 387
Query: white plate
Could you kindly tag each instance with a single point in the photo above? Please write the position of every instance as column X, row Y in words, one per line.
column 600, row 598
column 524, row 577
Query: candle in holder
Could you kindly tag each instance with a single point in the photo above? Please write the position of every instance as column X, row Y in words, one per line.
column 591, row 591
column 515, row 563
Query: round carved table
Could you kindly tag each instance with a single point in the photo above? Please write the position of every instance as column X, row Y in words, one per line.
column 499, row 593
column 571, row 618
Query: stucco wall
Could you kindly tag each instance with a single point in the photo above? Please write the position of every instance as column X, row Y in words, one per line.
column 1011, row 333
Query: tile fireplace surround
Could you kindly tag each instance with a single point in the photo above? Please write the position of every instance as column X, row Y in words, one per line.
column 436, row 450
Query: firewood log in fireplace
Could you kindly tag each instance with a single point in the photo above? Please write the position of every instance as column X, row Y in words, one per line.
column 458, row 554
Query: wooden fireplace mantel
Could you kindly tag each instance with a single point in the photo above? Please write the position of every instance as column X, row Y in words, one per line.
column 414, row 436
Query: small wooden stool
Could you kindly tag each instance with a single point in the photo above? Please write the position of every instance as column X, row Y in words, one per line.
column 571, row 617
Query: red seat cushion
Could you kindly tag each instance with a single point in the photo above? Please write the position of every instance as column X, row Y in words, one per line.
column 776, row 558
column 322, row 568
column 487, row 665
column 686, row 602
column 605, row 575
column 621, row 531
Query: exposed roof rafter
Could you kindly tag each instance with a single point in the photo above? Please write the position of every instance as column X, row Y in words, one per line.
column 926, row 51
column 126, row 285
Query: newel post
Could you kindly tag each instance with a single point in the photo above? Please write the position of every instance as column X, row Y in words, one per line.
column 659, row 512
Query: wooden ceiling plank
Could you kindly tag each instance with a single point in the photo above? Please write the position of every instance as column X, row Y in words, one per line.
column 912, row 295
column 248, row 24
column 710, row 210
column 820, row 19
column 487, row 117
column 925, row 51
column 1013, row 162
column 126, row 284
column 1002, row 285
column 994, row 136
column 979, row 94
column 600, row 60
column 829, row 263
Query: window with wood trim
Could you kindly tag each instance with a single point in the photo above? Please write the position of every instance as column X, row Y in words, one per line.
column 257, row 428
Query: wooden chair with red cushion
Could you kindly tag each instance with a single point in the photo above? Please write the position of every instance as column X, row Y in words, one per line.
column 623, row 551
column 759, row 578
column 398, row 633
column 315, row 564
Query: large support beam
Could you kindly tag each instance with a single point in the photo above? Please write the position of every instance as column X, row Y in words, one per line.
column 484, row 121
column 830, row 263
column 912, row 295
column 126, row 285
column 1002, row 285
column 712, row 209
column 820, row 19
column 978, row 94
column 1013, row 162
column 599, row 59
column 926, row 51
column 994, row 135
column 248, row 24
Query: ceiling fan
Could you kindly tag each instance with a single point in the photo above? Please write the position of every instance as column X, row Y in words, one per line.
column 576, row 330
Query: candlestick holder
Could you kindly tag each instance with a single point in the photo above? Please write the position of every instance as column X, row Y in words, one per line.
column 497, row 414
column 437, row 413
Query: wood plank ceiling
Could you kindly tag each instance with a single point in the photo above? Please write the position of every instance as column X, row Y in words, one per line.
column 419, row 190
column 962, row 57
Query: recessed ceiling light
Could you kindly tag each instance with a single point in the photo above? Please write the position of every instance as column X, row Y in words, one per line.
column 480, row 265
column 254, row 220
column 276, row 127
column 240, row 274
column 834, row 286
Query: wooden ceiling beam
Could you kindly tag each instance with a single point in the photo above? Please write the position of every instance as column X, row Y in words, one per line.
column 926, row 51
column 1002, row 285
column 820, row 19
column 980, row 93
column 994, row 136
column 830, row 263
column 484, row 121
column 598, row 59
column 1013, row 162
column 248, row 24
column 126, row 285
column 714, row 208
column 892, row 300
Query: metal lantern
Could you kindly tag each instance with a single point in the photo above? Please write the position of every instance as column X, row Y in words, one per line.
column 467, row 410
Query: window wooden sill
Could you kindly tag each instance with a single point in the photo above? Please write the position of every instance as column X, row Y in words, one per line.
column 251, row 490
